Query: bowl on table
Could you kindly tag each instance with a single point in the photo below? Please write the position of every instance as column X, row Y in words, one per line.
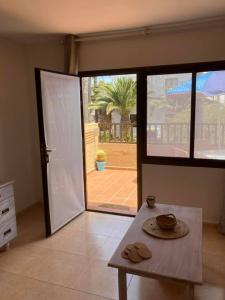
column 166, row 222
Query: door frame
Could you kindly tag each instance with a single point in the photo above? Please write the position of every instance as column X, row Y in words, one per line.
column 42, row 146
column 42, row 142
column 140, row 133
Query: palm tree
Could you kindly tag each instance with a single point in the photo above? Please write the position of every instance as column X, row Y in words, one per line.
column 119, row 96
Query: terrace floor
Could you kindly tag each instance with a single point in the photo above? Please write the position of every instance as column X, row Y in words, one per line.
column 113, row 190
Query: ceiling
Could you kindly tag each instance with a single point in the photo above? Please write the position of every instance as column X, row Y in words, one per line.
column 43, row 17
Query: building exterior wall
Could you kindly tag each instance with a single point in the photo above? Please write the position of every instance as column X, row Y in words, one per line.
column 91, row 145
column 120, row 155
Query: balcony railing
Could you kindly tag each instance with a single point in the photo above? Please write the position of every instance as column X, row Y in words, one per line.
column 166, row 133
column 179, row 133
column 163, row 133
column 117, row 133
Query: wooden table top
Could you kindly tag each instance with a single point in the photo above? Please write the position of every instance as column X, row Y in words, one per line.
column 178, row 259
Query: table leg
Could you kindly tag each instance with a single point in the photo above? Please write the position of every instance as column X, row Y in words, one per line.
column 190, row 292
column 122, row 283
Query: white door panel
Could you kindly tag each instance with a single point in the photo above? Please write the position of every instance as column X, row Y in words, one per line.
column 63, row 138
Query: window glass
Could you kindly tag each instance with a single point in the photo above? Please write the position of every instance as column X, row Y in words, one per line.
column 168, row 114
column 210, row 115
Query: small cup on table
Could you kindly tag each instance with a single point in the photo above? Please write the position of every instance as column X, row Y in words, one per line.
column 151, row 201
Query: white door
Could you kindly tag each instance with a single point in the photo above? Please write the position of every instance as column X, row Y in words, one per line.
column 61, row 147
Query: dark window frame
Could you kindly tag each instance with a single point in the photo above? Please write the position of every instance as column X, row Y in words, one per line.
column 142, row 73
column 180, row 161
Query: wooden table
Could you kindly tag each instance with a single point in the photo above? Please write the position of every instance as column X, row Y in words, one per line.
column 179, row 259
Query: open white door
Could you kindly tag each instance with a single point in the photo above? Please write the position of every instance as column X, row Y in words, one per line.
column 61, row 142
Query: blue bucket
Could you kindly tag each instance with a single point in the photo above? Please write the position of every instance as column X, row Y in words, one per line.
column 100, row 165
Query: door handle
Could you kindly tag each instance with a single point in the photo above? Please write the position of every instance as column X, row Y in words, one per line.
column 45, row 154
column 49, row 150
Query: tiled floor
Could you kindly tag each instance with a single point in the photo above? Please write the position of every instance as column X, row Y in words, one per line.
column 113, row 190
column 72, row 264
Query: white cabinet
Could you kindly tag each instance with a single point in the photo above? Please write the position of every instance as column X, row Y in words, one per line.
column 8, row 229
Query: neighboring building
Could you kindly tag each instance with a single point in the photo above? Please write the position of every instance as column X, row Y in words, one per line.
column 158, row 85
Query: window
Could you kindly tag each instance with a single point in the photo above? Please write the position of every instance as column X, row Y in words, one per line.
column 168, row 115
column 210, row 115
column 185, row 117
column 182, row 118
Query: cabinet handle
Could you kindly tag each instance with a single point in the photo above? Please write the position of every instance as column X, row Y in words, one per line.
column 7, row 231
column 4, row 211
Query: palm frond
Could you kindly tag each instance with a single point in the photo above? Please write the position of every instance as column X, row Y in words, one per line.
column 118, row 96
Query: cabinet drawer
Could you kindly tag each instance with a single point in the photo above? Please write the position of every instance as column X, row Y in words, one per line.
column 8, row 231
column 7, row 210
column 6, row 192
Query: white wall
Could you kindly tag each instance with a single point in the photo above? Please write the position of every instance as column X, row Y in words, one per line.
column 16, row 145
column 165, row 48
column 50, row 56
column 200, row 187
column 19, row 146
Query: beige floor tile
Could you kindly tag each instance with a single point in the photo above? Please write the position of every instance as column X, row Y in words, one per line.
column 111, row 216
column 44, row 264
column 63, row 269
column 213, row 241
column 30, row 225
column 99, row 226
column 21, row 288
column 17, row 259
column 145, row 289
column 100, row 279
column 106, row 250
column 214, row 268
column 76, row 258
column 120, row 228
column 95, row 224
column 209, row 292
column 76, row 242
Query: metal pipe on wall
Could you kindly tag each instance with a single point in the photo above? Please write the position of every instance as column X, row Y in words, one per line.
column 148, row 30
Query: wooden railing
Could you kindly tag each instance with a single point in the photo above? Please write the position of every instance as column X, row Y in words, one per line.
column 162, row 133
column 179, row 133
column 117, row 133
column 213, row 133
column 166, row 133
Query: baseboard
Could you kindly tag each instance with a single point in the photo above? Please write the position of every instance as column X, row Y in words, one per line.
column 121, row 168
column 210, row 222
column 113, row 168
